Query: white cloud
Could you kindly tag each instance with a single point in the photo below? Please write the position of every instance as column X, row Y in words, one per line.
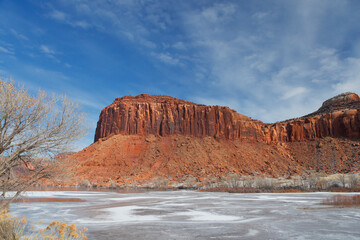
column 274, row 61
column 167, row 58
column 18, row 35
column 114, row 17
column 6, row 50
column 350, row 77
column 47, row 50
column 81, row 24
column 179, row 45
column 58, row 15
column 68, row 19
column 133, row 21
column 293, row 92
column 287, row 67
column 218, row 12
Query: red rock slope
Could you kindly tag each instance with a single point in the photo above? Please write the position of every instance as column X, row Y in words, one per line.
column 140, row 138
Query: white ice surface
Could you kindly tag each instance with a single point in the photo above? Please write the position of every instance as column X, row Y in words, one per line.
column 196, row 215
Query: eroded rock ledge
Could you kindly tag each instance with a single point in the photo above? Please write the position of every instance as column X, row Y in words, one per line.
column 164, row 115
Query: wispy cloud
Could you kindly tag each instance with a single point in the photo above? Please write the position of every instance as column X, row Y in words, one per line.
column 293, row 92
column 58, row 15
column 18, row 35
column 67, row 19
column 271, row 61
column 218, row 12
column 6, row 50
column 167, row 58
column 284, row 65
column 47, row 50
column 137, row 22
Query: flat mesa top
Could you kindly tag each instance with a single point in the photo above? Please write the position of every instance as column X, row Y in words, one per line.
column 146, row 98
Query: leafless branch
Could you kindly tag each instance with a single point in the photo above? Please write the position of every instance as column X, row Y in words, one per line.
column 33, row 130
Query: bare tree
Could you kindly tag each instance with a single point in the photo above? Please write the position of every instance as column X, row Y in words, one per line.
column 353, row 181
column 342, row 179
column 233, row 180
column 248, row 181
column 33, row 130
column 313, row 180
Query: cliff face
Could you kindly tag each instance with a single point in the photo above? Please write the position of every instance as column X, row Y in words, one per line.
column 141, row 138
column 164, row 116
column 344, row 123
column 337, row 117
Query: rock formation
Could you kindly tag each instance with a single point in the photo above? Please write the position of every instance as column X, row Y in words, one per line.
column 337, row 117
column 143, row 137
column 164, row 116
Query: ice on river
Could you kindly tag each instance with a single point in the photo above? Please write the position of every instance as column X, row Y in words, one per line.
column 196, row 215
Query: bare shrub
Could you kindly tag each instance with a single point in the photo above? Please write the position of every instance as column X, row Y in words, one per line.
column 353, row 181
column 295, row 181
column 302, row 183
column 264, row 183
column 113, row 184
column 322, row 184
column 209, row 182
column 33, row 130
column 160, row 182
column 13, row 228
column 313, row 180
column 212, row 182
column 247, row 181
column 233, row 180
column 190, row 182
column 85, row 183
column 342, row 179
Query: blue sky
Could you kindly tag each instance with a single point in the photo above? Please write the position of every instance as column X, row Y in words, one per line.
column 270, row 60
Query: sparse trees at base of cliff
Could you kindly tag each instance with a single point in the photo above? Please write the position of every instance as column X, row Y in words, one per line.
column 313, row 181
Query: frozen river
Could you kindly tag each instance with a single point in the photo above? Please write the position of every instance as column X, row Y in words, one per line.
column 196, row 215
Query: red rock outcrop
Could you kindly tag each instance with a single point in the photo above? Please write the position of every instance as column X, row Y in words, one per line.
column 164, row 116
column 141, row 138
column 337, row 117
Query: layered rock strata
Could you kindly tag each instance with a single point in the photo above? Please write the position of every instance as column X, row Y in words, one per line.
column 139, row 139
column 164, row 116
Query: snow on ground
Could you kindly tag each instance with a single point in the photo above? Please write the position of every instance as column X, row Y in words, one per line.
column 196, row 215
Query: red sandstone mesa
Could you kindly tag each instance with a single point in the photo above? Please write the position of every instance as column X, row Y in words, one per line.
column 164, row 115
column 141, row 138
